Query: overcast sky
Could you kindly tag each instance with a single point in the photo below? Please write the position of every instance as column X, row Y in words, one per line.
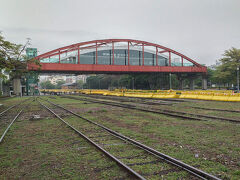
column 200, row 29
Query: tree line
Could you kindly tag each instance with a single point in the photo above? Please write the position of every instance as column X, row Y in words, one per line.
column 58, row 85
column 224, row 72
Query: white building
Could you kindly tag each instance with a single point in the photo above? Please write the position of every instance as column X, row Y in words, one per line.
column 82, row 77
column 55, row 78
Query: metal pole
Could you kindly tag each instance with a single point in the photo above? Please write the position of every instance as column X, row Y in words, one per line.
column 170, row 81
column 156, row 56
column 96, row 54
column 170, row 61
column 133, row 79
column 27, row 85
column 128, row 54
column 142, row 54
column 59, row 57
column 238, row 79
column 113, row 52
column 1, row 91
column 78, row 55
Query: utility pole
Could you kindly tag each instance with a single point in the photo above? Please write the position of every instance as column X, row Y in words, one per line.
column 238, row 79
column 133, row 79
column 170, row 81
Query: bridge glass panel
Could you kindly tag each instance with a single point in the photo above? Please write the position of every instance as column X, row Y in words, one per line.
column 105, row 57
column 69, row 60
column 188, row 64
column 176, row 62
column 149, row 59
column 120, row 56
column 135, row 57
column 88, row 58
column 44, row 60
column 53, row 59
column 162, row 61
column 69, row 57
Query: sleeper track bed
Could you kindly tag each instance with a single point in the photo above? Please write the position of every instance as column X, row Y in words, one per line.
column 138, row 159
column 9, row 116
column 130, row 99
column 147, row 101
column 177, row 114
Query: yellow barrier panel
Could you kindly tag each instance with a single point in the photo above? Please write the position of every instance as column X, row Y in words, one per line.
column 143, row 95
column 216, row 95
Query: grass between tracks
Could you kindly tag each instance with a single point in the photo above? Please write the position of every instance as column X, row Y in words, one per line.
column 10, row 101
column 212, row 145
column 47, row 149
column 8, row 117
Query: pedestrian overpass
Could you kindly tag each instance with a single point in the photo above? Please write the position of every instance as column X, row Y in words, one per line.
column 117, row 56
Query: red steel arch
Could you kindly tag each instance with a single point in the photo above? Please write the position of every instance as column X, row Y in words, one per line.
column 100, row 68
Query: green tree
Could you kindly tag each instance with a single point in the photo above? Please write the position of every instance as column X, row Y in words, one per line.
column 140, row 81
column 92, row 82
column 226, row 71
column 12, row 59
column 80, row 84
column 47, row 85
column 211, row 75
column 60, row 83
column 125, row 81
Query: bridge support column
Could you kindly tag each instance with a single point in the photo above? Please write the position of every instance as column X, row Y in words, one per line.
column 17, row 89
column 204, row 82
column 192, row 84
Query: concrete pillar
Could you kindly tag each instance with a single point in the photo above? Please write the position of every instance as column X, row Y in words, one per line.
column 204, row 82
column 192, row 84
column 17, row 88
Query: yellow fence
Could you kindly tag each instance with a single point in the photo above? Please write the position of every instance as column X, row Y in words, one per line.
column 215, row 95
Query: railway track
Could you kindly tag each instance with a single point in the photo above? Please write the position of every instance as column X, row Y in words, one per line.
column 215, row 109
column 139, row 160
column 13, row 113
column 162, row 102
column 171, row 113
column 129, row 99
column 15, row 105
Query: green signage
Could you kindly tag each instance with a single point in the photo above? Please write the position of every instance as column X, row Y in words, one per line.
column 31, row 52
column 32, row 77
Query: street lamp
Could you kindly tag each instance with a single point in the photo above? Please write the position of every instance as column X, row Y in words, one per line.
column 238, row 79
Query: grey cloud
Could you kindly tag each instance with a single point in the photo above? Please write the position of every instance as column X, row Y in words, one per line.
column 201, row 30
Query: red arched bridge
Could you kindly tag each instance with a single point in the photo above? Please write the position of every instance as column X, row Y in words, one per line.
column 116, row 56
